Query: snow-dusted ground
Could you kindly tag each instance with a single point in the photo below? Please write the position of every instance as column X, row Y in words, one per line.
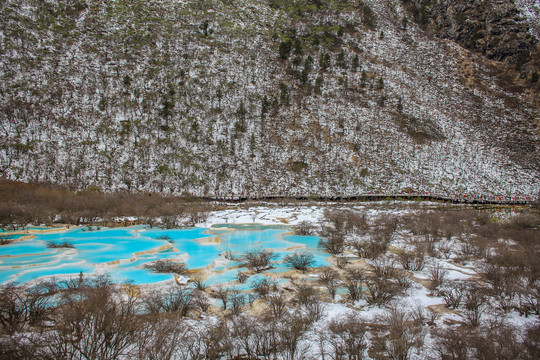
column 417, row 298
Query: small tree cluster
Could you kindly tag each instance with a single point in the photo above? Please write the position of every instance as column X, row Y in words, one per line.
column 166, row 266
column 258, row 259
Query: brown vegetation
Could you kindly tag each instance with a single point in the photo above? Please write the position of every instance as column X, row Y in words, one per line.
column 22, row 203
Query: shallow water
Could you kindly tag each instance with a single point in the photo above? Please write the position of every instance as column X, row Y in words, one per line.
column 122, row 252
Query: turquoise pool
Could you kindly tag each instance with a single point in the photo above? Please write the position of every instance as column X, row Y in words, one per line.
column 121, row 252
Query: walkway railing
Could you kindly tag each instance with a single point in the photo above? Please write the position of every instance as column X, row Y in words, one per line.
column 466, row 199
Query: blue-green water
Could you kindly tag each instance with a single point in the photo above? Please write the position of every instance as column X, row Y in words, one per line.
column 122, row 252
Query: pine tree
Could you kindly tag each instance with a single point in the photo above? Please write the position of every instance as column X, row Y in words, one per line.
column 341, row 60
column 324, row 61
column 285, row 48
column 355, row 63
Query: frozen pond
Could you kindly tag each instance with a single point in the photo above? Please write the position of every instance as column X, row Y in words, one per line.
column 122, row 252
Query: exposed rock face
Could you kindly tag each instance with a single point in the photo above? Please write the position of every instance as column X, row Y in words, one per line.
column 493, row 28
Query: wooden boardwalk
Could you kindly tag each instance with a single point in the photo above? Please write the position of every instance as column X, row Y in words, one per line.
column 463, row 199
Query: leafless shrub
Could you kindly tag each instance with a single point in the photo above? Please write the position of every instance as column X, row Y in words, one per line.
column 505, row 281
column 529, row 301
column 237, row 300
column 242, row 276
column 13, row 308
column 197, row 215
column 336, row 220
column 166, row 266
column 258, row 259
column 248, row 333
column 453, row 292
column 169, row 222
column 222, row 293
column 5, row 240
column 411, row 261
column 403, row 279
column 229, row 255
column 347, row 337
column 474, row 306
column 305, row 294
column 201, row 301
column 403, row 334
column 22, row 305
column 332, row 241
column 277, row 302
column 263, row 287
column 216, row 342
column 471, row 248
column 420, row 316
column 304, row 228
column 23, row 346
column 437, row 275
column 444, row 249
column 451, row 344
column 354, row 279
column 384, row 266
column 532, row 342
column 329, row 278
column 198, row 281
column 60, row 245
column 300, row 260
column 496, row 341
column 94, row 324
column 175, row 300
column 291, row 331
column 380, row 290
column 341, row 261
column 384, row 228
column 159, row 339
column 315, row 310
column 370, row 248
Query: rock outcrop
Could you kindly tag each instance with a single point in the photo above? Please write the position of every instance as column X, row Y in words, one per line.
column 495, row 29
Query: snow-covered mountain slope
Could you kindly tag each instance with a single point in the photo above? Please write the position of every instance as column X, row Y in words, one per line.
column 212, row 96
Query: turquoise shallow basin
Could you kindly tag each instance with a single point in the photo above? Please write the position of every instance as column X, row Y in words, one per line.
column 122, row 252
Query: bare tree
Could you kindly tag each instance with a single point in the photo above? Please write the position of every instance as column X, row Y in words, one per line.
column 304, row 228
column 291, row 331
column 277, row 302
column 95, row 324
column 332, row 241
column 474, row 306
column 496, row 340
column 222, row 292
column 437, row 274
column 160, row 339
column 354, row 279
column 216, row 341
column 403, row 334
column 452, row 292
column 451, row 344
column 347, row 337
column 176, row 300
column 263, row 287
column 412, row 261
column 329, row 278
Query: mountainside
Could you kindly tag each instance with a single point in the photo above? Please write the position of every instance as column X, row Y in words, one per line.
column 307, row 96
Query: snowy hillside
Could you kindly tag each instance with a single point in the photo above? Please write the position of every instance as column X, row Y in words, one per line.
column 259, row 96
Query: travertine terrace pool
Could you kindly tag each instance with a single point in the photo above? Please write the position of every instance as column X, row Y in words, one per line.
column 122, row 252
